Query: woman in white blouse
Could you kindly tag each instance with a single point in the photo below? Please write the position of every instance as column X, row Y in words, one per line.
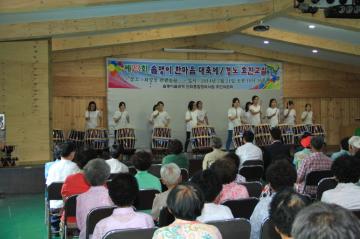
column 235, row 115
column 307, row 116
column 290, row 113
column 191, row 121
column 92, row 116
column 247, row 112
column 121, row 117
column 202, row 117
column 255, row 111
column 272, row 113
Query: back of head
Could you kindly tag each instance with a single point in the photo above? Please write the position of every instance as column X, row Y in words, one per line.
column 57, row 152
column 248, row 136
column 354, row 144
column 317, row 142
column 186, row 201
column 175, row 147
column 66, row 149
column 281, row 174
column 216, row 142
column 346, row 169
column 345, row 143
column 234, row 158
column 170, row 174
column 123, row 190
column 209, row 184
column 325, row 221
column 116, row 150
column 275, row 133
column 284, row 207
column 142, row 160
column 96, row 172
column 83, row 157
column 225, row 170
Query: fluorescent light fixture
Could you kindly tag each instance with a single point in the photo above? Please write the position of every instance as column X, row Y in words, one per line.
column 266, row 42
column 210, row 51
column 312, row 26
column 315, row 51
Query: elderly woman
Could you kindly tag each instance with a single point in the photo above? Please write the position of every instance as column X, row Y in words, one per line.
column 170, row 176
column 96, row 173
column 186, row 202
column 175, row 155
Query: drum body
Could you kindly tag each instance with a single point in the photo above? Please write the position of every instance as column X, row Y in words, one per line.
column 97, row 139
column 298, row 131
column 238, row 133
column 58, row 136
column 160, row 138
column 77, row 137
column 126, row 138
column 201, row 137
column 287, row 133
column 262, row 135
column 317, row 130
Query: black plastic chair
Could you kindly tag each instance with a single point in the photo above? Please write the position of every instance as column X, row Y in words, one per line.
column 268, row 231
column 233, row 228
column 313, row 178
column 324, row 185
column 94, row 216
column 252, row 173
column 53, row 193
column 184, row 174
column 254, row 188
column 253, row 162
column 145, row 198
column 195, row 165
column 132, row 170
column 155, row 170
column 242, row 208
column 131, row 234
column 69, row 211
column 165, row 217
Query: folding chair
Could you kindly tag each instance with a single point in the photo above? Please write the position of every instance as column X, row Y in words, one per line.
column 145, row 199
column 155, row 170
column 253, row 162
column 324, row 185
column 268, row 231
column 313, row 178
column 233, row 228
column 184, row 174
column 53, row 193
column 242, row 208
column 69, row 211
column 195, row 165
column 252, row 173
column 131, row 234
column 165, row 217
column 254, row 188
column 94, row 216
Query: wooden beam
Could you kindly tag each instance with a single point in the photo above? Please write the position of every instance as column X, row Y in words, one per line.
column 280, row 56
column 18, row 31
column 142, row 35
column 306, row 40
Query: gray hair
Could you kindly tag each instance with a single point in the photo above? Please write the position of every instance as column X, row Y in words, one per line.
column 96, row 172
column 170, row 173
column 216, row 143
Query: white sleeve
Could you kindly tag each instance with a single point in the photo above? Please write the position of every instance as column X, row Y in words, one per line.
column 187, row 115
column 285, row 112
column 231, row 113
column 268, row 112
column 167, row 116
column 303, row 115
column 86, row 114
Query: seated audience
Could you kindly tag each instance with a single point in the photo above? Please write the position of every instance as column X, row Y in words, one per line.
column 175, row 155
column 317, row 161
column 56, row 158
column 347, row 172
column 216, row 154
column 325, row 221
column 283, row 209
column 248, row 151
column 115, row 164
column 344, row 149
column 354, row 145
column 170, row 177
column 280, row 175
column 305, row 152
column 277, row 150
column 186, row 202
column 234, row 158
column 123, row 190
column 211, row 186
column 226, row 171
column 142, row 162
column 96, row 173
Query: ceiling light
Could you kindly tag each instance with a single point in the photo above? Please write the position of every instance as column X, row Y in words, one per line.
column 315, row 51
column 312, row 26
column 266, row 42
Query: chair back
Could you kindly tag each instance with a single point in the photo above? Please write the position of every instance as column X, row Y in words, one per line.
column 195, row 165
column 242, row 208
column 70, row 207
column 94, row 216
column 313, row 178
column 268, row 231
column 145, row 198
column 254, row 188
column 131, row 234
column 324, row 185
column 356, row 213
column 54, row 191
column 132, row 170
column 155, row 170
column 165, row 217
column 233, row 228
column 253, row 162
column 252, row 173
column 184, row 174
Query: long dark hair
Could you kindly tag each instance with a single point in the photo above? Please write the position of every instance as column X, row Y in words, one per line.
column 273, row 99
column 89, row 106
column 234, row 100
column 191, row 105
column 122, row 103
column 247, row 106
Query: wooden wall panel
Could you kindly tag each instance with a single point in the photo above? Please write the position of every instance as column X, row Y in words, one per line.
column 25, row 98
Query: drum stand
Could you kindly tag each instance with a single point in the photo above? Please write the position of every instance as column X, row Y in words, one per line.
column 8, row 161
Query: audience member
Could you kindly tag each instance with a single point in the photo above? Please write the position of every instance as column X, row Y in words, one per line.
column 142, row 162
column 325, row 221
column 280, row 175
column 283, row 209
column 344, row 149
column 347, row 172
column 226, row 172
column 115, row 164
column 234, row 158
column 354, row 145
column 96, row 173
column 186, row 202
column 317, row 161
column 175, row 155
column 170, row 177
column 216, row 154
column 211, row 186
column 248, row 151
column 305, row 152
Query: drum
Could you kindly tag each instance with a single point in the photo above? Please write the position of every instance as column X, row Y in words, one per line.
column 58, row 136
column 238, row 134
column 97, row 138
column 286, row 133
column 298, row 131
column 77, row 137
column 160, row 138
column 317, row 129
column 201, row 137
column 262, row 135
column 126, row 138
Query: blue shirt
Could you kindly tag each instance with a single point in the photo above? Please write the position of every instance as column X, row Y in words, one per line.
column 338, row 154
column 260, row 214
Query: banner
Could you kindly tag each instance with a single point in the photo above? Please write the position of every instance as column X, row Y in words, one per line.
column 201, row 75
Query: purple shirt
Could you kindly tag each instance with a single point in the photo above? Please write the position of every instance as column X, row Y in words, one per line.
column 122, row 218
column 95, row 197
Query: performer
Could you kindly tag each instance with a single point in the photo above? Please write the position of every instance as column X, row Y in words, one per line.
column 92, row 116
column 272, row 113
column 255, row 111
column 247, row 112
column 307, row 115
column 191, row 121
column 290, row 113
column 235, row 114
column 202, row 118
column 159, row 117
column 121, row 117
